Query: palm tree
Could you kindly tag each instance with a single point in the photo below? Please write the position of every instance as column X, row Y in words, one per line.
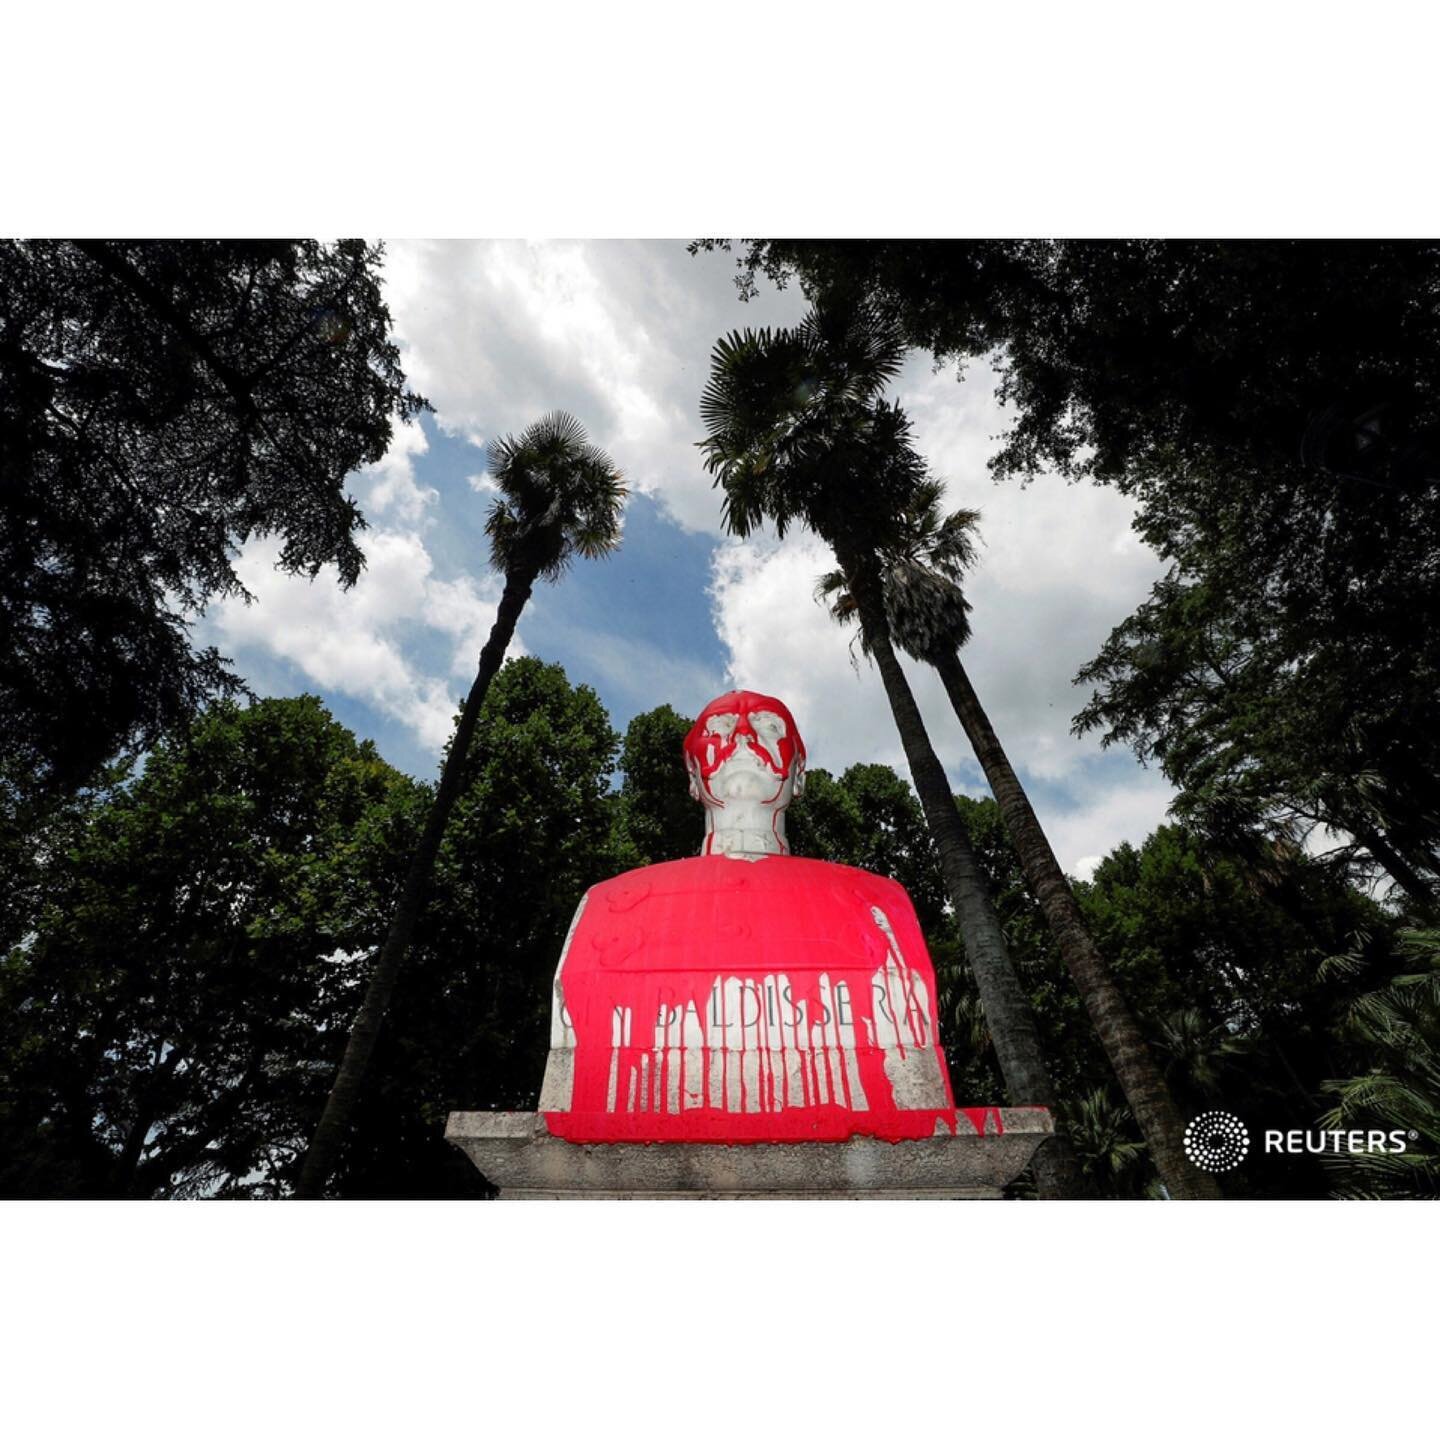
column 798, row 434
column 1398, row 1028
column 560, row 498
column 1110, row 1157
column 929, row 617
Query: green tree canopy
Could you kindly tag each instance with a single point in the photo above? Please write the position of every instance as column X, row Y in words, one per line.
column 170, row 1023
column 193, row 943
column 1223, row 959
column 1260, row 717
column 1137, row 360
column 1395, row 1031
column 657, row 814
column 194, row 938
column 161, row 402
column 469, row 1025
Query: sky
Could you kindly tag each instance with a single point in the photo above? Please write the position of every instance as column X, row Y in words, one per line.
column 619, row 333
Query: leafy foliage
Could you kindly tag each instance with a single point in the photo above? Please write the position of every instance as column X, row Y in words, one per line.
column 170, row 1023
column 195, row 941
column 1260, row 720
column 1274, row 410
column 1137, row 361
column 1224, row 963
column 1111, row 1155
column 161, row 402
column 469, row 1023
column 950, row 297
column 560, row 497
column 657, row 817
column 1398, row 1028
column 797, row 431
column 195, row 938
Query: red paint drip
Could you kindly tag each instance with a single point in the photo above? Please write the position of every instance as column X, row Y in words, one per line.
column 770, row 976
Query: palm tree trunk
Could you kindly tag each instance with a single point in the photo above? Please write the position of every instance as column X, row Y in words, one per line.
column 340, row 1106
column 1145, row 1090
column 1008, row 1016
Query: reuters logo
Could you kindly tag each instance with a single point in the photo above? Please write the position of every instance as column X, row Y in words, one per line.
column 1216, row 1141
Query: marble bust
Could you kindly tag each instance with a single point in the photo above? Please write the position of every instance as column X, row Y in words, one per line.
column 745, row 995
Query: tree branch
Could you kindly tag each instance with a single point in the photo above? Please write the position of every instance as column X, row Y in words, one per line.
column 125, row 273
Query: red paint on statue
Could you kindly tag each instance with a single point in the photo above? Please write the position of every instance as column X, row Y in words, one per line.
column 775, row 980
column 709, row 749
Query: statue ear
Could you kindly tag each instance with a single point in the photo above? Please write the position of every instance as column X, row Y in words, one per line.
column 799, row 768
column 693, row 771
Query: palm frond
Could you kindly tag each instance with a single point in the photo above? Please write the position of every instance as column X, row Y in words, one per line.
column 798, row 433
column 1400, row 1026
column 1110, row 1152
column 559, row 497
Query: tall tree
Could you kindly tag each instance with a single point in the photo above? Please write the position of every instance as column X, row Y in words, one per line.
column 469, row 1024
column 1273, row 408
column 162, row 402
column 1259, row 727
column 924, row 561
column 798, row 434
column 560, row 498
column 190, row 944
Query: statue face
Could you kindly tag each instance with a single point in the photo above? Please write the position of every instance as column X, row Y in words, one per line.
column 745, row 747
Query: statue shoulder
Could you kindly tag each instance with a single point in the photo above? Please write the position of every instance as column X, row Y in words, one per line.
column 667, row 873
column 666, row 877
column 829, row 872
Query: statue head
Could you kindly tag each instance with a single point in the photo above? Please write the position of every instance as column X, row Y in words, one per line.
column 746, row 762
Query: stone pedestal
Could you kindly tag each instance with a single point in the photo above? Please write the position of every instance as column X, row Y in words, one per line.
column 516, row 1152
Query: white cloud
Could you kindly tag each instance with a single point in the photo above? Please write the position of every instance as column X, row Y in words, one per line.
column 781, row 642
column 1059, row 568
column 361, row 642
column 390, row 487
column 458, row 608
column 496, row 333
column 1106, row 816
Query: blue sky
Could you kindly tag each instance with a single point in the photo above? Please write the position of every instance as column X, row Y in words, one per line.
column 619, row 333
